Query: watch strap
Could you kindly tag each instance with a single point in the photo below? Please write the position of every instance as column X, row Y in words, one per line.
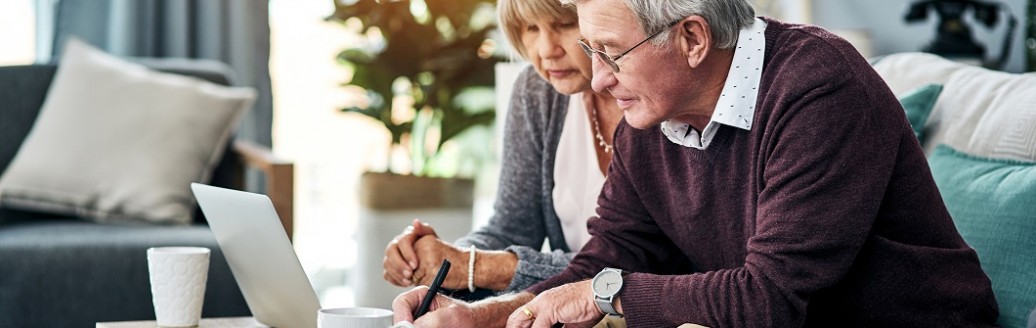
column 605, row 304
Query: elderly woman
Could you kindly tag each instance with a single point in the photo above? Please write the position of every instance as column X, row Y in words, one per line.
column 557, row 148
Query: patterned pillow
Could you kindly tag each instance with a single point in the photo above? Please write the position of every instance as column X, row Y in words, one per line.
column 986, row 113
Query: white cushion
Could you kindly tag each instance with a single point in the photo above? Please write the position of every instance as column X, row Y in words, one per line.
column 986, row 113
column 909, row 70
column 115, row 141
column 979, row 111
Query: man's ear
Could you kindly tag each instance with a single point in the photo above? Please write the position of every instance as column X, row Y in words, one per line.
column 695, row 37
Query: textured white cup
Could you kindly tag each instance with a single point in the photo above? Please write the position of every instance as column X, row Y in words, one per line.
column 354, row 317
column 178, row 276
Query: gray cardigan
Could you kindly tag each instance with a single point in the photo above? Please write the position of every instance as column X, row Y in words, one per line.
column 524, row 209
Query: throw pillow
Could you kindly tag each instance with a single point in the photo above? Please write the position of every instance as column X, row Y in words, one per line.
column 909, row 70
column 918, row 104
column 116, row 141
column 992, row 204
column 986, row 113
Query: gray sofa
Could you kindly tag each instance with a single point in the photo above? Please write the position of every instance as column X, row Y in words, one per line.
column 979, row 132
column 58, row 271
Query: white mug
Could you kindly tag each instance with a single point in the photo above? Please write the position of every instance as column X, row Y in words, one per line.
column 354, row 317
column 178, row 277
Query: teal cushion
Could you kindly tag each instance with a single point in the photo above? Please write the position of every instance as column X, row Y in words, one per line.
column 918, row 104
column 993, row 203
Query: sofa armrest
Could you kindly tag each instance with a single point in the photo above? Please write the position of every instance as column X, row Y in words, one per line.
column 280, row 178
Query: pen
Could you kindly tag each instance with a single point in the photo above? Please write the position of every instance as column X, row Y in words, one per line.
column 433, row 289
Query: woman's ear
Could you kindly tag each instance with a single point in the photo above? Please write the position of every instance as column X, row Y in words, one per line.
column 695, row 38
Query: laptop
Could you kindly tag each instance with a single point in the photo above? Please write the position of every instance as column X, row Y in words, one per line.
column 260, row 256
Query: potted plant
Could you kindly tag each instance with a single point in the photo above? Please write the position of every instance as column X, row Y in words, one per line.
column 423, row 63
column 427, row 71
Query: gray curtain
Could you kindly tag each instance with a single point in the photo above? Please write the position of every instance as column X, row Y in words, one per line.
column 236, row 32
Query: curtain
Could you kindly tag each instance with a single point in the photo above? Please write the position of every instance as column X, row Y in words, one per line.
column 236, row 32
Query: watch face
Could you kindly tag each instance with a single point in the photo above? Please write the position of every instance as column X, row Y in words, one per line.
column 607, row 283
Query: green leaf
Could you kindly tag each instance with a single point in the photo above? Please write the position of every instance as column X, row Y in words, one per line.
column 440, row 56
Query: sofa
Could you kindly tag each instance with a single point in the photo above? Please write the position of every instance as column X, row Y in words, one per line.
column 66, row 271
column 978, row 129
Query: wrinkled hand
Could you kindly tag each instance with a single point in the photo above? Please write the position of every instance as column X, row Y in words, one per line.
column 571, row 304
column 430, row 253
column 443, row 312
column 400, row 258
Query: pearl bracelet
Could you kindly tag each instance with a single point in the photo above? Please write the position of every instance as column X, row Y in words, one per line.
column 471, row 268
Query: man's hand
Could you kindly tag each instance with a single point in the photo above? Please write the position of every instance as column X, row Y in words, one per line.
column 571, row 304
column 448, row 312
column 443, row 312
column 401, row 260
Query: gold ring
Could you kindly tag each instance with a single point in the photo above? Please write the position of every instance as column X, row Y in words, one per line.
column 528, row 313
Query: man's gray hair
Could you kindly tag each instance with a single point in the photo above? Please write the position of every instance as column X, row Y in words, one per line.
column 725, row 17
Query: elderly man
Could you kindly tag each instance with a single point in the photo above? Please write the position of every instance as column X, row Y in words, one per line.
column 764, row 176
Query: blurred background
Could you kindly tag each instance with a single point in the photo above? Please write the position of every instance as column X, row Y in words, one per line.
column 291, row 50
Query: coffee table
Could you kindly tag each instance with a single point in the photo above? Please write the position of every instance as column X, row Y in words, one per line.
column 235, row 322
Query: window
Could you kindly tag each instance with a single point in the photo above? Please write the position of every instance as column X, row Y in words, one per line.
column 330, row 148
column 326, row 145
column 17, row 32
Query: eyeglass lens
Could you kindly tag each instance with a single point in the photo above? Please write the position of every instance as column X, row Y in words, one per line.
column 600, row 54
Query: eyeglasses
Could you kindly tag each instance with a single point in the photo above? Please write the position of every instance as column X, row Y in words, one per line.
column 612, row 61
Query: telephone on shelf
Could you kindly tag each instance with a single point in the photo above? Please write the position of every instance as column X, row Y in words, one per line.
column 953, row 37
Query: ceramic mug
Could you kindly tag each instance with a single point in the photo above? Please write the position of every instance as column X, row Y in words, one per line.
column 178, row 277
column 354, row 317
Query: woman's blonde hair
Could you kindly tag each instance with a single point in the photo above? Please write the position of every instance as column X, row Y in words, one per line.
column 514, row 15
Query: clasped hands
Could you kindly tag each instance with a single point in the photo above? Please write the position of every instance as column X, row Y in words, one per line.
column 412, row 258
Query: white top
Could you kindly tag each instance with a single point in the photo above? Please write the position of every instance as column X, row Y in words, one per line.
column 577, row 176
column 736, row 106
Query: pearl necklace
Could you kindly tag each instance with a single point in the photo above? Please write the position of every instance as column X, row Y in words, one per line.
column 597, row 132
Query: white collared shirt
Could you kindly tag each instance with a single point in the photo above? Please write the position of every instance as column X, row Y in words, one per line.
column 736, row 105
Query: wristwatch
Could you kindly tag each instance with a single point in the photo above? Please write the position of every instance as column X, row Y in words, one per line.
column 606, row 285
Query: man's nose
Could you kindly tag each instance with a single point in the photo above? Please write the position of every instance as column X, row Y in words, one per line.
column 603, row 77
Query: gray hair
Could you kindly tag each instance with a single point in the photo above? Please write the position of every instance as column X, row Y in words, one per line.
column 726, row 17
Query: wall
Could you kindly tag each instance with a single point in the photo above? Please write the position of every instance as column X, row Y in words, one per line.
column 883, row 20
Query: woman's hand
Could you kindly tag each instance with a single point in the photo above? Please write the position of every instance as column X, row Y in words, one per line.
column 430, row 252
column 493, row 269
column 401, row 260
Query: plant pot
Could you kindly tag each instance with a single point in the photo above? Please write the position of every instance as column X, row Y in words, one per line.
column 390, row 202
column 390, row 191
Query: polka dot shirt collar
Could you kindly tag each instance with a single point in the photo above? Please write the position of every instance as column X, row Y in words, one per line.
column 736, row 105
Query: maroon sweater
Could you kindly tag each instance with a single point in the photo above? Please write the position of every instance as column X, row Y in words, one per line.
column 825, row 214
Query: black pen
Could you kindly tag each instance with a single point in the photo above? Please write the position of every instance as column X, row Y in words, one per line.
column 433, row 289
